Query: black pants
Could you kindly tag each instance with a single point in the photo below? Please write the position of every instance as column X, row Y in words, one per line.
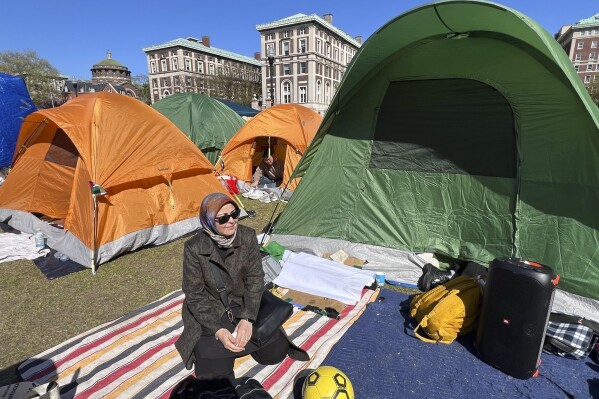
column 217, row 368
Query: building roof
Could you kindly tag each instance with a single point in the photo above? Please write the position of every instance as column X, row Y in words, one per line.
column 303, row 18
column 88, row 86
column 587, row 22
column 109, row 61
column 196, row 45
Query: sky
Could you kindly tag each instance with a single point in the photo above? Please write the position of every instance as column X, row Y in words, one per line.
column 76, row 34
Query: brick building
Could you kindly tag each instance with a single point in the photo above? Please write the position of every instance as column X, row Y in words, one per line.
column 191, row 65
column 309, row 57
column 107, row 75
column 581, row 43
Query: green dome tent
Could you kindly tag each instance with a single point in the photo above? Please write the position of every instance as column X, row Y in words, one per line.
column 206, row 121
column 460, row 128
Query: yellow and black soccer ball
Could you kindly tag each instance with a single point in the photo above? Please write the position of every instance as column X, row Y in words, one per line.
column 327, row 382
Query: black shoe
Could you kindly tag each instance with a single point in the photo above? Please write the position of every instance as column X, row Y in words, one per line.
column 432, row 276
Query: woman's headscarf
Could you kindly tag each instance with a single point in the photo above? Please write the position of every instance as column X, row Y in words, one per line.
column 208, row 210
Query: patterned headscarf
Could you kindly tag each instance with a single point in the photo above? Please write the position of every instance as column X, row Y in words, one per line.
column 208, row 210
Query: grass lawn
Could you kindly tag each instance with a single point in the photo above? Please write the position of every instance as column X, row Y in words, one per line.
column 37, row 313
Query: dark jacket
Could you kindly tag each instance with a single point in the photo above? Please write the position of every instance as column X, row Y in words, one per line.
column 242, row 274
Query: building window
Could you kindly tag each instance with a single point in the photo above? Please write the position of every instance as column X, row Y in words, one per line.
column 587, row 79
column 318, row 46
column 303, row 67
column 270, row 46
column 176, row 81
column 303, row 95
column 211, row 69
column 269, row 36
column 327, row 93
column 580, row 45
column 576, row 68
column 586, row 32
column 286, row 34
column 286, row 69
column 165, row 94
column 200, row 67
column 590, row 67
column 175, row 64
column 286, row 92
column 591, row 56
column 155, row 82
column 286, row 48
column 302, row 45
column 153, row 67
column 301, row 31
column 328, row 54
column 187, row 64
column 336, row 55
column 318, row 87
column 163, row 65
column 165, row 81
column 594, row 44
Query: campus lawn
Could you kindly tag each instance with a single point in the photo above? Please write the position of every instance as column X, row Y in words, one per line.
column 37, row 314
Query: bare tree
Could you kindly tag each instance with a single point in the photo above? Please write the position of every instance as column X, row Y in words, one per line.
column 230, row 85
column 41, row 77
column 142, row 84
column 593, row 89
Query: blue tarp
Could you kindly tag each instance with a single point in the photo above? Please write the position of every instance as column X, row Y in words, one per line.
column 241, row 110
column 383, row 359
column 15, row 105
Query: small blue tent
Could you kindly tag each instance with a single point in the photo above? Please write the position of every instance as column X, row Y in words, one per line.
column 15, row 105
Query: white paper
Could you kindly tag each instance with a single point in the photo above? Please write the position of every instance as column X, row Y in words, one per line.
column 326, row 278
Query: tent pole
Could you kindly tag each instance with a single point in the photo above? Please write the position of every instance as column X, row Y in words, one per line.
column 269, row 225
column 94, row 234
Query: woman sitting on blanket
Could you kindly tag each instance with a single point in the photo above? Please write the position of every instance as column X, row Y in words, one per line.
column 209, row 340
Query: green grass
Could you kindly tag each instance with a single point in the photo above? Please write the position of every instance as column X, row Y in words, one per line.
column 37, row 314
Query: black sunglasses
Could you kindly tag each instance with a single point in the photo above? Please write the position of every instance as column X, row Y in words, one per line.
column 225, row 218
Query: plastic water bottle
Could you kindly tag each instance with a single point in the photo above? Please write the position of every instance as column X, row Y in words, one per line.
column 39, row 239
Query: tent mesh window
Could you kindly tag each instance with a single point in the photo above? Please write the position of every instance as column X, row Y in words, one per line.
column 62, row 151
column 459, row 126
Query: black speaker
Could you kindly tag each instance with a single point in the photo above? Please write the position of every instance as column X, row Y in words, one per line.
column 517, row 300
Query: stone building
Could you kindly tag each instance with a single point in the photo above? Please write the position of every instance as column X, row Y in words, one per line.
column 581, row 43
column 194, row 66
column 107, row 75
column 308, row 56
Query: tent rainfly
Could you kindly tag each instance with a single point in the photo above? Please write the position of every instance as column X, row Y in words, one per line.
column 460, row 128
column 114, row 172
column 288, row 128
column 240, row 109
column 15, row 105
column 206, row 121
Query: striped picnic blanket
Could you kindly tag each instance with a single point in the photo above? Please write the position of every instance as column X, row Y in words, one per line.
column 135, row 357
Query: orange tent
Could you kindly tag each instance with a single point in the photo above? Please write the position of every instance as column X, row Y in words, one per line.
column 154, row 178
column 289, row 128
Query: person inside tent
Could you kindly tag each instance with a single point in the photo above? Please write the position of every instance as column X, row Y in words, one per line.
column 213, row 338
column 270, row 171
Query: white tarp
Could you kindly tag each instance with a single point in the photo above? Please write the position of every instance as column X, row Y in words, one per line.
column 322, row 277
column 19, row 246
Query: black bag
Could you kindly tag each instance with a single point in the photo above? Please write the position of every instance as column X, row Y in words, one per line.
column 246, row 388
column 570, row 336
column 272, row 314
